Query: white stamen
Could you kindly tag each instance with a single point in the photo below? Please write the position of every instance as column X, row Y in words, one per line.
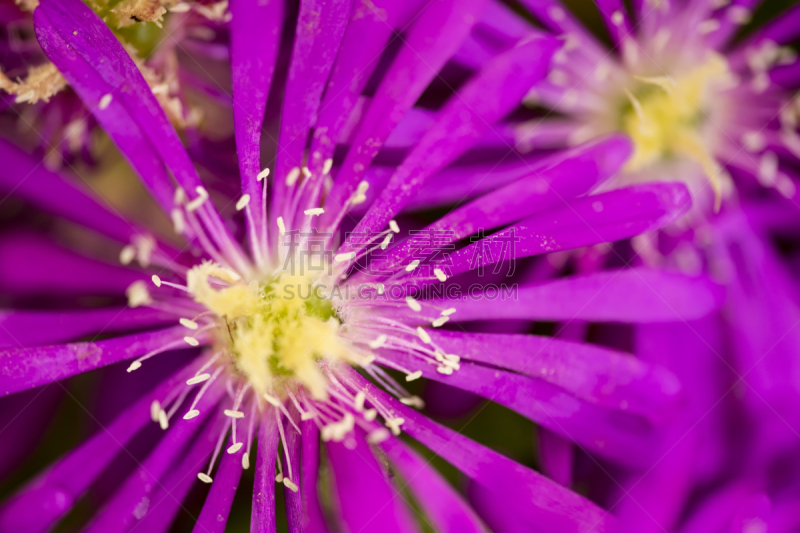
column 617, row 18
column 377, row 436
column 292, row 176
column 327, row 166
column 444, row 370
column 178, row 221
column 377, row 343
column 290, row 484
column 136, row 365
column 191, row 414
column 162, row 420
column 448, row 312
column 183, row 7
column 413, row 401
column 263, row 174
column 358, row 403
column 200, row 200
column 413, row 304
column 394, row 425
column 423, row 335
column 198, row 379
column 306, row 172
column 233, row 414
column 205, row 478
column 105, row 101
column 245, row 461
column 272, row 400
column 412, row 265
column 315, row 211
column 235, row 448
column 187, row 323
column 439, row 273
column 279, row 477
column 180, row 196
column 381, row 288
column 414, row 375
column 342, row 258
column 439, row 322
column 156, row 280
column 155, row 409
column 394, row 227
column 281, row 226
column 308, row 415
column 127, row 254
column 191, row 341
column 243, row 201
column 370, row 415
column 386, row 241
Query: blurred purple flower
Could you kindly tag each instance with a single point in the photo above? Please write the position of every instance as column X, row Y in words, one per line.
column 280, row 367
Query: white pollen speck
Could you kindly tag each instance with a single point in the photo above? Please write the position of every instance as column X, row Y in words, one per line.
column 135, row 366
column 292, row 176
column 439, row 322
column 191, row 341
column 381, row 288
column 370, row 415
column 414, row 375
column 191, row 324
column 127, row 254
column 162, row 420
column 413, row 304
column 440, row 275
column 233, row 414
column 327, row 166
column 386, row 241
column 105, row 101
column 235, row 448
column 245, row 461
column 155, row 409
column 412, row 265
column 306, row 172
column 314, row 211
column 243, row 201
column 198, row 379
column 394, row 227
column 281, row 226
column 156, row 280
column 263, row 174
column 617, row 18
column 341, row 258
column 272, row 400
column 448, row 312
column 191, row 414
column 377, row 343
column 205, row 478
column 423, row 335
column 290, row 484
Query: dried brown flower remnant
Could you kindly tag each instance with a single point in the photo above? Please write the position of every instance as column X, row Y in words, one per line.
column 129, row 12
column 42, row 82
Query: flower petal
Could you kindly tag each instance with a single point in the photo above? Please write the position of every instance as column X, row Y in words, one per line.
column 466, row 117
column 217, row 506
column 25, row 368
column 28, row 328
column 263, row 510
column 367, row 500
column 442, row 505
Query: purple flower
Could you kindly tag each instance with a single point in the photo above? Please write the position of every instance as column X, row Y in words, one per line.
column 292, row 351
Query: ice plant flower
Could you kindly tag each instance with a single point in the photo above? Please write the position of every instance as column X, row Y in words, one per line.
column 290, row 351
column 698, row 106
column 721, row 115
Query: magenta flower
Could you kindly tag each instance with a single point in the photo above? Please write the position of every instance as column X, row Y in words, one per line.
column 285, row 352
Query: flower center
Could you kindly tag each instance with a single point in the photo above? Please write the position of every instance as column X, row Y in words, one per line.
column 666, row 117
column 278, row 330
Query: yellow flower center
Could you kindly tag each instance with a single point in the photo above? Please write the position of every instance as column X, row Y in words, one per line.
column 277, row 330
column 667, row 115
